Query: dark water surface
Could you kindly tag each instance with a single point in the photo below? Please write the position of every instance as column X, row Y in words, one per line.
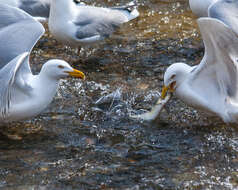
column 86, row 140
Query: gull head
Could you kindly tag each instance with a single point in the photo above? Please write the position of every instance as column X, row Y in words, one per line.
column 58, row 69
column 174, row 76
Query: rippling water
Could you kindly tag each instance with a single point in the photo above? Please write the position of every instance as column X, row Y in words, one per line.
column 86, row 140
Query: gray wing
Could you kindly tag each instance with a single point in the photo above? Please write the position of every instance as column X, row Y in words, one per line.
column 216, row 75
column 98, row 22
column 36, row 8
column 87, row 29
column 19, row 32
column 226, row 11
column 13, row 3
column 14, row 74
column 200, row 7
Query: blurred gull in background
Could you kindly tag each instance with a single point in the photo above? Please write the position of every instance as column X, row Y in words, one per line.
column 75, row 25
column 200, row 7
column 22, row 94
column 227, row 12
column 39, row 9
column 224, row 10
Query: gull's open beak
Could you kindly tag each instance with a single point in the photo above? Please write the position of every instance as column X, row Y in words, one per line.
column 164, row 91
column 76, row 73
column 169, row 88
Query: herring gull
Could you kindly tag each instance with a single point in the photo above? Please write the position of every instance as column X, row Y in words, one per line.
column 22, row 94
column 211, row 86
column 81, row 25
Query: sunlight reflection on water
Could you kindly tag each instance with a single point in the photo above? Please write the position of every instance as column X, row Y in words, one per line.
column 85, row 139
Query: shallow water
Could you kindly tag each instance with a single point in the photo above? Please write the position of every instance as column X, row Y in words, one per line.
column 86, row 140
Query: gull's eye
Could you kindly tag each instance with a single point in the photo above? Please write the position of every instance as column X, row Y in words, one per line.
column 61, row 66
column 172, row 77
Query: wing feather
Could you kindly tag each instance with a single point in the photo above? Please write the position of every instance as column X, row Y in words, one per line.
column 226, row 11
column 9, row 74
column 19, row 33
column 218, row 69
column 95, row 21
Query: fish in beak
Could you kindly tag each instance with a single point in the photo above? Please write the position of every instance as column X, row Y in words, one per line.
column 170, row 88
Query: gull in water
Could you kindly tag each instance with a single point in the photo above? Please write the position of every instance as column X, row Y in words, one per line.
column 81, row 25
column 22, row 94
column 211, row 86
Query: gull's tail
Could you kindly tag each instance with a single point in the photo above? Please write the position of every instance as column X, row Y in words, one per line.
column 130, row 10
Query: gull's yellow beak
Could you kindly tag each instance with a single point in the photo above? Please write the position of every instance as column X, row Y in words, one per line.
column 77, row 74
column 169, row 88
column 164, row 91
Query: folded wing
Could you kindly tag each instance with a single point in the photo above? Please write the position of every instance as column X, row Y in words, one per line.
column 95, row 22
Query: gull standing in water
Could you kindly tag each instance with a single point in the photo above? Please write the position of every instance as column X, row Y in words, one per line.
column 81, row 25
column 22, row 94
column 211, row 86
